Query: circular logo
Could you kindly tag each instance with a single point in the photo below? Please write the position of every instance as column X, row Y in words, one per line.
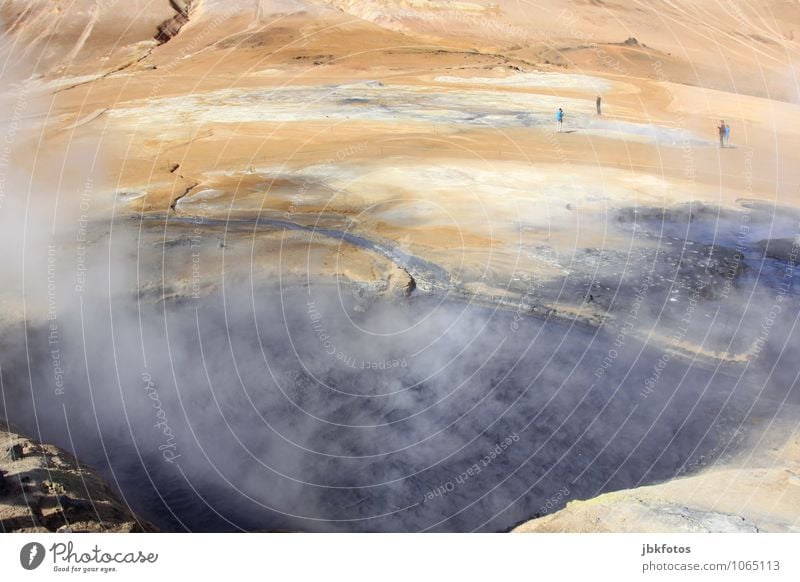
column 31, row 555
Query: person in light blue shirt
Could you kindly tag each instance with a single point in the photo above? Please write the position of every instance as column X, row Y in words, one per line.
column 559, row 118
column 727, row 134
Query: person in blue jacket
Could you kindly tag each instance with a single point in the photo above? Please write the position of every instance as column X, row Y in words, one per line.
column 559, row 118
column 727, row 134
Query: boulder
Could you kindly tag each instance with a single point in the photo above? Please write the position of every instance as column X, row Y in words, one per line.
column 46, row 489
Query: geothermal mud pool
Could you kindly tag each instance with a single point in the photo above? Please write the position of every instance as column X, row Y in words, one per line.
column 319, row 406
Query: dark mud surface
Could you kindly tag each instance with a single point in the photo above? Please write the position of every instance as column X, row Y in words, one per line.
column 306, row 408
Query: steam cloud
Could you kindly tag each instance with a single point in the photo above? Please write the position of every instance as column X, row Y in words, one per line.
column 307, row 408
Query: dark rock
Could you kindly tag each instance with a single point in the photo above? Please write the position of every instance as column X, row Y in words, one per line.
column 170, row 28
column 60, row 494
column 782, row 249
column 411, row 286
column 14, row 452
column 68, row 503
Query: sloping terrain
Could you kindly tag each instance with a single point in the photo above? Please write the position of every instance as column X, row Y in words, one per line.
column 45, row 489
column 187, row 165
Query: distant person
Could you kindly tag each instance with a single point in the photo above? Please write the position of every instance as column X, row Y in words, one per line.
column 727, row 134
column 599, row 103
column 721, row 130
column 560, row 119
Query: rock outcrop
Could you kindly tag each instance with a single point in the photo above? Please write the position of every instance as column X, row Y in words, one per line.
column 759, row 496
column 170, row 28
column 45, row 489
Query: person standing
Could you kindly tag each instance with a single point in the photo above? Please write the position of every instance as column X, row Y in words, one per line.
column 721, row 130
column 727, row 134
column 559, row 119
column 599, row 103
